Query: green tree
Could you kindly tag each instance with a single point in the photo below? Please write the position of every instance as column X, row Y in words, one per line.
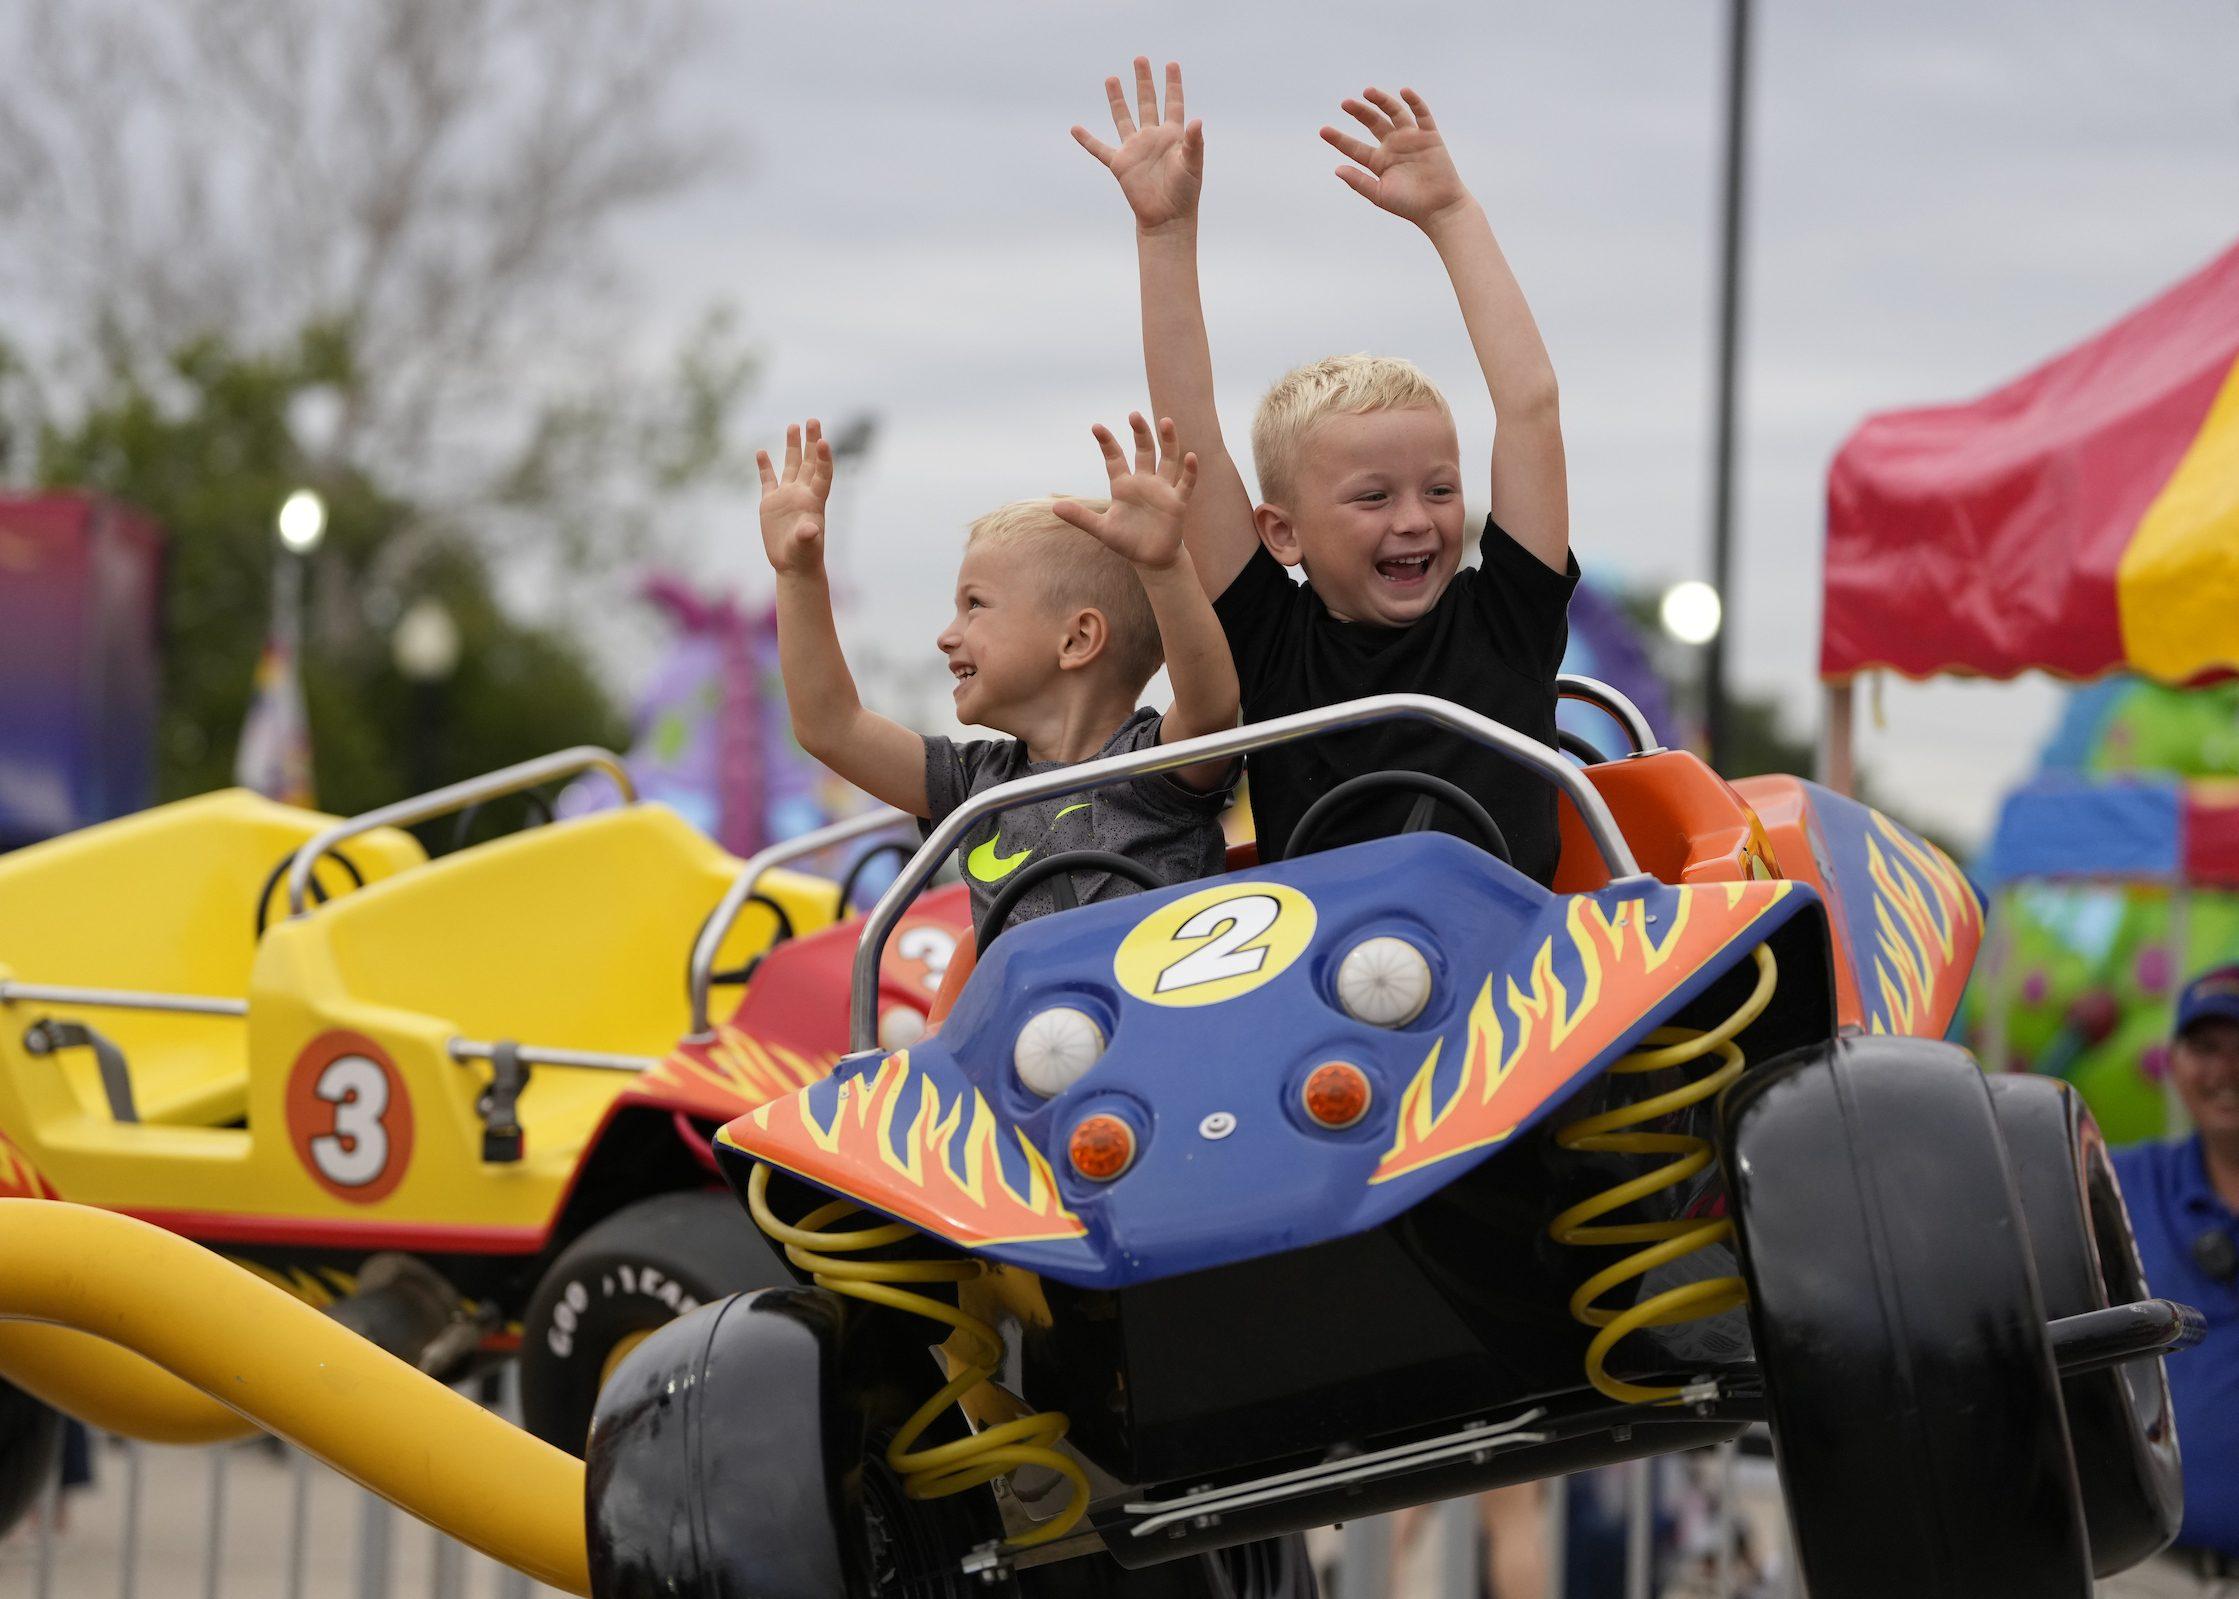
column 211, row 457
column 375, row 246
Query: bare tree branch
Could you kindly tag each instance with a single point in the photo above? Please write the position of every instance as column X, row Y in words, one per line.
column 439, row 182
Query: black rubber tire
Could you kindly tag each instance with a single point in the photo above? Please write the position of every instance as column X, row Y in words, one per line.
column 731, row 1460
column 629, row 1274
column 30, row 1450
column 1915, row 1410
column 2120, row 1420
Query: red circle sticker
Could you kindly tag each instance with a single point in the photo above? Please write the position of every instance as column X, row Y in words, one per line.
column 349, row 1118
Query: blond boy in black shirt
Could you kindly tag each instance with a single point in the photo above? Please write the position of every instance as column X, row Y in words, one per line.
column 1360, row 472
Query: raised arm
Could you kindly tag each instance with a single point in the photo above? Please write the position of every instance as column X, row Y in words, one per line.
column 877, row 755
column 1149, row 509
column 1409, row 172
column 1160, row 165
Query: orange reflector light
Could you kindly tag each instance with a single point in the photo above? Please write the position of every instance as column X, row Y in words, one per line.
column 1337, row 1094
column 1102, row 1147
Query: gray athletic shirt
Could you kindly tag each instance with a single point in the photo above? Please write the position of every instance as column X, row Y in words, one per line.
column 1164, row 824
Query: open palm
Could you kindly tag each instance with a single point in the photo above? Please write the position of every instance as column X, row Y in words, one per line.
column 793, row 499
column 1408, row 170
column 1160, row 159
column 1143, row 524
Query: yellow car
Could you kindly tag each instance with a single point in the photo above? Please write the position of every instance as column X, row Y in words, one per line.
column 464, row 1103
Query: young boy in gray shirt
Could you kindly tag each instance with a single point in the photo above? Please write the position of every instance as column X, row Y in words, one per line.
column 1064, row 609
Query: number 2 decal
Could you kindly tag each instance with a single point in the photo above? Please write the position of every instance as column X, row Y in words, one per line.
column 1216, row 944
column 1228, row 929
column 349, row 1117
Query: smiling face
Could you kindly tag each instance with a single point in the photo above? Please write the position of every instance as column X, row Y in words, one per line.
column 2204, row 1064
column 1374, row 514
column 1004, row 643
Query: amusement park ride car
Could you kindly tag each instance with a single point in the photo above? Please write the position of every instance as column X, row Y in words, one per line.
column 1368, row 1177
column 447, row 1099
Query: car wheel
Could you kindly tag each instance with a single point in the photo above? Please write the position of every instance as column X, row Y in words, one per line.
column 1915, row 1409
column 2119, row 1420
column 626, row 1276
column 731, row 1459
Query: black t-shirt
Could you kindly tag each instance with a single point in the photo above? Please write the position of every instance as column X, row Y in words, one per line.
column 1492, row 643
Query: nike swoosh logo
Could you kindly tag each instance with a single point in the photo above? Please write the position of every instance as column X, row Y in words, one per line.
column 1069, row 810
column 989, row 867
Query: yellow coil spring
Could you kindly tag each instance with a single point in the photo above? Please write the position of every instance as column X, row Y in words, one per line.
column 967, row 1462
column 1611, row 1132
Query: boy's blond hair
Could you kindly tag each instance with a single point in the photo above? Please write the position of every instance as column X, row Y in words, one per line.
column 1336, row 385
column 1072, row 569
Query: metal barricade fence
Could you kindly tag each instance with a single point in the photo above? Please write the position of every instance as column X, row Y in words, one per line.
column 257, row 1520
column 248, row 1520
column 1444, row 1553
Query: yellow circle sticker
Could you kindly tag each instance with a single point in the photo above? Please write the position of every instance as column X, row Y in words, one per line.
column 1215, row 944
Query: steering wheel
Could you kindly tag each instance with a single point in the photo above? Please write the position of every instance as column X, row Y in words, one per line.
column 893, row 846
column 534, row 802
column 739, row 974
column 1041, row 871
column 318, row 889
column 1352, row 790
column 1571, row 744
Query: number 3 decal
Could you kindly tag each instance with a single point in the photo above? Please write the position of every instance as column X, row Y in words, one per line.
column 349, row 1117
column 1216, row 944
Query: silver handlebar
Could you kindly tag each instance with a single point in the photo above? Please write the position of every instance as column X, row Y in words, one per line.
column 734, row 899
column 1619, row 709
column 879, row 925
column 438, row 802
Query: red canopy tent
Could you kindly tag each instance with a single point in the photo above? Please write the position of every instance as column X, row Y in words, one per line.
column 2083, row 519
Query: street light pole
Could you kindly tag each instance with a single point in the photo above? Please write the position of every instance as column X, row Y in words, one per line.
column 1715, row 726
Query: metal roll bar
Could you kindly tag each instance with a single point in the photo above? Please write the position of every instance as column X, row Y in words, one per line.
column 1616, row 854
column 1619, row 709
column 465, row 1049
column 457, row 796
column 13, row 993
column 734, row 900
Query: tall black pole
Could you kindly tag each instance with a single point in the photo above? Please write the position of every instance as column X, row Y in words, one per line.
column 1715, row 721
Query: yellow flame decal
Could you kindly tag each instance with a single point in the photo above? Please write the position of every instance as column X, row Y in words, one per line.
column 1511, row 1066
column 1924, row 913
column 890, row 1140
column 736, row 1068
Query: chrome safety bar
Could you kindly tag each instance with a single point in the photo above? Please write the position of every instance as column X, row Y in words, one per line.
column 742, row 889
column 457, row 796
column 466, row 1049
column 1619, row 709
column 1479, row 1438
column 1616, row 854
column 12, row 993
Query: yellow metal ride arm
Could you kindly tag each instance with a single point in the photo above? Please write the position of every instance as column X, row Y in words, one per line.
column 266, row 1355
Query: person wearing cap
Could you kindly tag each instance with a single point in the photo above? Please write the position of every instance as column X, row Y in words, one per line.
column 2183, row 1197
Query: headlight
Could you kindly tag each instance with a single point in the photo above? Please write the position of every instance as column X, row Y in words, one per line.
column 1055, row 1047
column 1384, row 982
column 900, row 1027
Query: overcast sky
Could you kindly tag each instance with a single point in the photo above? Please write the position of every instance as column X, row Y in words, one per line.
column 1941, row 195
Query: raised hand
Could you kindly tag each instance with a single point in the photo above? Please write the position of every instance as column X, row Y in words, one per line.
column 793, row 503
column 1144, row 521
column 1160, row 160
column 1408, row 170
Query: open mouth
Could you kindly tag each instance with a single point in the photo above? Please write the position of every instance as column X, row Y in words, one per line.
column 962, row 674
column 1404, row 569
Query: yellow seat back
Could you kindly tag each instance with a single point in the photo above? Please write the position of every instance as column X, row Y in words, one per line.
column 573, row 934
column 162, row 901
